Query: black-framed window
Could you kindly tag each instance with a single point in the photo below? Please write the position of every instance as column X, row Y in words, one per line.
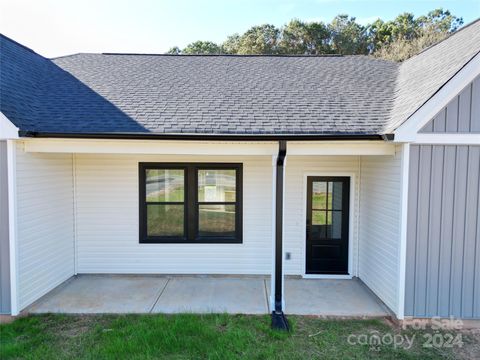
column 190, row 202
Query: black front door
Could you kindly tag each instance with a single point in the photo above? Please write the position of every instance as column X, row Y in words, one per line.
column 327, row 225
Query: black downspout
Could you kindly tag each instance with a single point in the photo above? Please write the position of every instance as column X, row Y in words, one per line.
column 279, row 321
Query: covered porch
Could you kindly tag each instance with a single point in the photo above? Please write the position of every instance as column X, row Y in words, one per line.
column 207, row 294
column 90, row 224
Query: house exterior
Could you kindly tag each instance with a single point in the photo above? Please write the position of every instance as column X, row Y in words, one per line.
column 320, row 167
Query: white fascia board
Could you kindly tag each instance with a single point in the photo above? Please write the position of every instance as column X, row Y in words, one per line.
column 408, row 131
column 7, row 129
column 448, row 139
column 170, row 147
column 341, row 148
column 161, row 147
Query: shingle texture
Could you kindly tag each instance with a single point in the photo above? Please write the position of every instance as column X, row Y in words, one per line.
column 102, row 93
column 421, row 76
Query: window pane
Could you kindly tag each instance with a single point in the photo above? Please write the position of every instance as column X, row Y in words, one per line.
column 165, row 220
column 319, row 217
column 216, row 185
column 165, row 185
column 216, row 220
column 319, row 194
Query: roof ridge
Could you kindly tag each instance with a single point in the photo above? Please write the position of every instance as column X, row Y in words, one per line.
column 220, row 55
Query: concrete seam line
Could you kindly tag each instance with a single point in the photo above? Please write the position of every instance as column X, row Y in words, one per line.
column 159, row 295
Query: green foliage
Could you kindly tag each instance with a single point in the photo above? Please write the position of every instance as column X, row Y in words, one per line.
column 174, row 50
column 202, row 47
column 212, row 336
column 298, row 37
column 397, row 39
column 232, row 44
column 402, row 49
column 261, row 39
column 348, row 37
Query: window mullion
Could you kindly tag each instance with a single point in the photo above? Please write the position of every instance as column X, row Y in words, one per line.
column 191, row 203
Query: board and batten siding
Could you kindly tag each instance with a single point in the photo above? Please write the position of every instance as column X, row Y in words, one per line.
column 297, row 167
column 4, row 235
column 379, row 232
column 461, row 115
column 45, row 231
column 107, row 192
column 443, row 235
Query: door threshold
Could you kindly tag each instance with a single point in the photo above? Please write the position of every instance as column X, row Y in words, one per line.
column 327, row 276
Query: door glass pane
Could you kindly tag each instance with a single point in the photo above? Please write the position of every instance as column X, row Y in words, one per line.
column 216, row 220
column 216, row 185
column 165, row 185
column 319, row 195
column 336, row 224
column 319, row 217
column 337, row 189
column 328, row 227
column 165, row 220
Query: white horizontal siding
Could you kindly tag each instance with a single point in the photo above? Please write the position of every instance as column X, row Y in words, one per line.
column 379, row 232
column 45, row 223
column 295, row 203
column 108, row 219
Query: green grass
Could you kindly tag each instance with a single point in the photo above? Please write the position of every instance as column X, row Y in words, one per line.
column 189, row 336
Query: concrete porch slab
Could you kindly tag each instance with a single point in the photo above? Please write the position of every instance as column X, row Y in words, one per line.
column 233, row 295
column 207, row 294
column 326, row 297
column 92, row 294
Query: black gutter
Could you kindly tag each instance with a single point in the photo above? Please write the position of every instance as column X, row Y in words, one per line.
column 279, row 321
column 204, row 137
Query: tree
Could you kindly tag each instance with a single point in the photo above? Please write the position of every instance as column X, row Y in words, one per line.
column 347, row 37
column 298, row 37
column 261, row 39
column 439, row 20
column 402, row 49
column 174, row 50
column 406, row 36
column 396, row 39
column 201, row 48
column 232, row 44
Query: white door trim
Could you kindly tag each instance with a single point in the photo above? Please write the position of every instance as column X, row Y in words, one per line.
column 351, row 215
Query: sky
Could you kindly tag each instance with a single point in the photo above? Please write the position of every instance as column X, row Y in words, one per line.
column 61, row 27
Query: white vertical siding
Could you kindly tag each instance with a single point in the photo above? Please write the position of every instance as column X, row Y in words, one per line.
column 379, row 232
column 45, row 223
column 107, row 221
column 295, row 202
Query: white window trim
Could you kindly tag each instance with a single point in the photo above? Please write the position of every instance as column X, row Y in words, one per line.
column 351, row 215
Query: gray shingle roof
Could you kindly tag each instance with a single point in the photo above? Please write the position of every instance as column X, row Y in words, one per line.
column 113, row 93
column 421, row 76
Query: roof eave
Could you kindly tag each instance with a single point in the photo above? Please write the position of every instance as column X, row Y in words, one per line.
column 209, row 137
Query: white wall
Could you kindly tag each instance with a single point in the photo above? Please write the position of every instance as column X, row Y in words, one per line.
column 44, row 223
column 295, row 203
column 379, row 226
column 107, row 221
